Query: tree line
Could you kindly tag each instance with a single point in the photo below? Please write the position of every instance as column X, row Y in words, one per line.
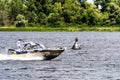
column 59, row 12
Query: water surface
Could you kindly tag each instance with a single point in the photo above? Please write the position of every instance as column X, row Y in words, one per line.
column 99, row 58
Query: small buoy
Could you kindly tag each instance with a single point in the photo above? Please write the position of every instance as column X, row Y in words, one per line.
column 76, row 46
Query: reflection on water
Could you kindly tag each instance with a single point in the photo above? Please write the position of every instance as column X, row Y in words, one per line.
column 98, row 58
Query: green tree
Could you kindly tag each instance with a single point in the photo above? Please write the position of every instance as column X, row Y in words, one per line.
column 3, row 13
column 16, row 7
column 71, row 11
column 20, row 21
column 55, row 17
column 2, row 5
column 91, row 14
column 38, row 10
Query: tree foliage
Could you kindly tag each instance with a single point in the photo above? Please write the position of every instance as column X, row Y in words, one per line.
column 20, row 21
column 60, row 12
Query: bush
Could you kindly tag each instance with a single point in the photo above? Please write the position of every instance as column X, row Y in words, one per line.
column 20, row 21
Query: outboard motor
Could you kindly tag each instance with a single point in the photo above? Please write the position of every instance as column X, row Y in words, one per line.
column 76, row 46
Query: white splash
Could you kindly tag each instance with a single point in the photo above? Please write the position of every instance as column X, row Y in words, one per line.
column 25, row 57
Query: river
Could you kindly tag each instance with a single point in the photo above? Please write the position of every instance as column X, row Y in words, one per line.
column 98, row 59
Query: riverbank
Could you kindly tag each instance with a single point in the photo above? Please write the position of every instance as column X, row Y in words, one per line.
column 62, row 29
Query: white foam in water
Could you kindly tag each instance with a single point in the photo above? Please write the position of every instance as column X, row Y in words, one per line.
column 26, row 57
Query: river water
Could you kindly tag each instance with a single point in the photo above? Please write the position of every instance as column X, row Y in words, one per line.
column 98, row 59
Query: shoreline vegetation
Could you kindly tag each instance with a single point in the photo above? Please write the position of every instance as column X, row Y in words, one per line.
column 59, row 15
column 62, row 29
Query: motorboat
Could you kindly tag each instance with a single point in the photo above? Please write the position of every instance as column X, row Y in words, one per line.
column 36, row 50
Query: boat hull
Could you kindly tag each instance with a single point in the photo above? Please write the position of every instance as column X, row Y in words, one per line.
column 47, row 54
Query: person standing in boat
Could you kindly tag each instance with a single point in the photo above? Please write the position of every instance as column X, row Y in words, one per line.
column 20, row 44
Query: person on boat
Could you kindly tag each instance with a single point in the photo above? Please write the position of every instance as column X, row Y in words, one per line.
column 20, row 45
column 76, row 46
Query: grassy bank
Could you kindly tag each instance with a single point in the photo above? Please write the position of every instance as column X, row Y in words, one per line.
column 62, row 29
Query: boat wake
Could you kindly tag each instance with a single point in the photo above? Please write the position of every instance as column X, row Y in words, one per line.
column 15, row 57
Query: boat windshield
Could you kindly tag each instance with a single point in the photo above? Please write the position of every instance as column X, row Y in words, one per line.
column 26, row 46
column 36, row 46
